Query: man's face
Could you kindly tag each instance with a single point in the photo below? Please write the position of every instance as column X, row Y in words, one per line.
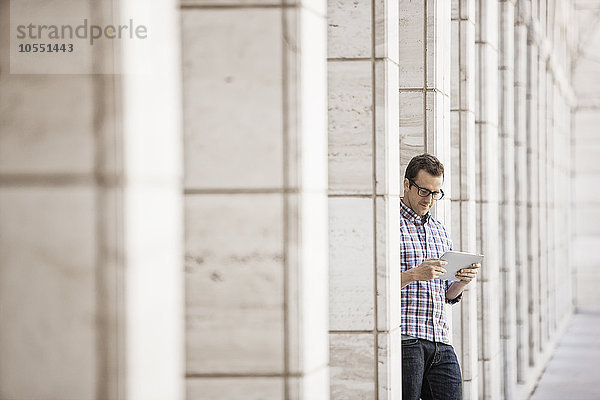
column 421, row 205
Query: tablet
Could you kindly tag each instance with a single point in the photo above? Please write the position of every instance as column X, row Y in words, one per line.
column 458, row 260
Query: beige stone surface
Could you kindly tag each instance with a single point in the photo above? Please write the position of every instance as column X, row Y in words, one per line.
column 246, row 388
column 491, row 388
column 437, row 49
column 586, row 149
column 312, row 385
column 306, row 100
column 464, row 189
column 364, row 180
column 412, row 126
column 81, row 58
column 586, row 269
column 48, row 338
column 350, row 127
column 43, row 121
column 221, row 145
column 389, row 365
column 388, row 258
column 349, row 29
column 231, row 3
column 234, row 284
column 387, row 151
column 412, row 44
column 315, row 5
column 469, row 335
column 307, row 284
column 386, row 30
column 351, row 273
column 352, row 366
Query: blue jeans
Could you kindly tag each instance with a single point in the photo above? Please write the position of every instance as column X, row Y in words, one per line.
column 430, row 371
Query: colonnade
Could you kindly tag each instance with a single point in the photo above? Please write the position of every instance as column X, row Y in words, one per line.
column 277, row 255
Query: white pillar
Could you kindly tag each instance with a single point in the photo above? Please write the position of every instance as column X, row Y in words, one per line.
column 254, row 102
column 425, row 87
column 586, row 120
column 487, row 201
column 506, row 210
column 364, row 200
column 533, row 200
column 49, row 230
column 91, row 208
column 463, row 185
column 521, row 193
column 542, row 188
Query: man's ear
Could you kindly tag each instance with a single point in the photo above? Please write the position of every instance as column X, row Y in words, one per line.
column 406, row 185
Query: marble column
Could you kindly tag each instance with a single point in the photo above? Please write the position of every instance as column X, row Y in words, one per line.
column 586, row 169
column 521, row 192
column 364, row 182
column 153, row 207
column 542, row 193
column 464, row 216
column 551, row 251
column 506, row 196
column 486, row 119
column 533, row 199
column 91, row 228
column 425, row 69
column 425, row 35
column 255, row 170
column 50, row 240
column 425, row 76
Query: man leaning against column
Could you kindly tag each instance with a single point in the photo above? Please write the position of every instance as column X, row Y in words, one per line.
column 430, row 368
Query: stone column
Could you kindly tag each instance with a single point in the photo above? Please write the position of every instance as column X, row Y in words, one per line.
column 507, row 196
column 425, row 87
column 486, row 119
column 254, row 104
column 153, row 205
column 551, row 205
column 463, row 184
column 563, row 284
column 564, row 298
column 48, row 231
column 90, row 217
column 425, row 39
column 586, row 169
column 364, row 200
column 542, row 192
column 533, row 199
column 521, row 192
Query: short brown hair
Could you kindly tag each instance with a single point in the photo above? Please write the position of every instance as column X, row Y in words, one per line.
column 425, row 161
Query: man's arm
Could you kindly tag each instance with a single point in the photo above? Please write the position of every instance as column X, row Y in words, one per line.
column 466, row 275
column 429, row 269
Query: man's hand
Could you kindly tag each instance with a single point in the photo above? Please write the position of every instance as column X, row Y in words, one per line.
column 465, row 275
column 429, row 269
column 468, row 274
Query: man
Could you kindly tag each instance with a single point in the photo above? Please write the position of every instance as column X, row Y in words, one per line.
column 430, row 368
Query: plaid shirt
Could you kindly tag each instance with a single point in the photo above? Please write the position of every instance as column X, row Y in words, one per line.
column 422, row 302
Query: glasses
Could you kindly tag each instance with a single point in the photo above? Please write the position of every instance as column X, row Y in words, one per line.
column 423, row 192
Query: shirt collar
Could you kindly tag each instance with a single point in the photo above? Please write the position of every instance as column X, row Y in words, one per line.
column 409, row 214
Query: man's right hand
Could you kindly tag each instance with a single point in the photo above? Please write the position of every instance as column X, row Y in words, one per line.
column 429, row 269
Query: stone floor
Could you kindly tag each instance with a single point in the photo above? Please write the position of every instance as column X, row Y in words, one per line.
column 574, row 370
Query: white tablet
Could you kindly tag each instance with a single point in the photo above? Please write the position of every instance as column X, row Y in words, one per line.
column 458, row 260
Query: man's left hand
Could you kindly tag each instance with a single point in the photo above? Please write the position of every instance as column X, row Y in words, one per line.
column 468, row 274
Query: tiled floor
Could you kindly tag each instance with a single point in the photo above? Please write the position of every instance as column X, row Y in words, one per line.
column 574, row 370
